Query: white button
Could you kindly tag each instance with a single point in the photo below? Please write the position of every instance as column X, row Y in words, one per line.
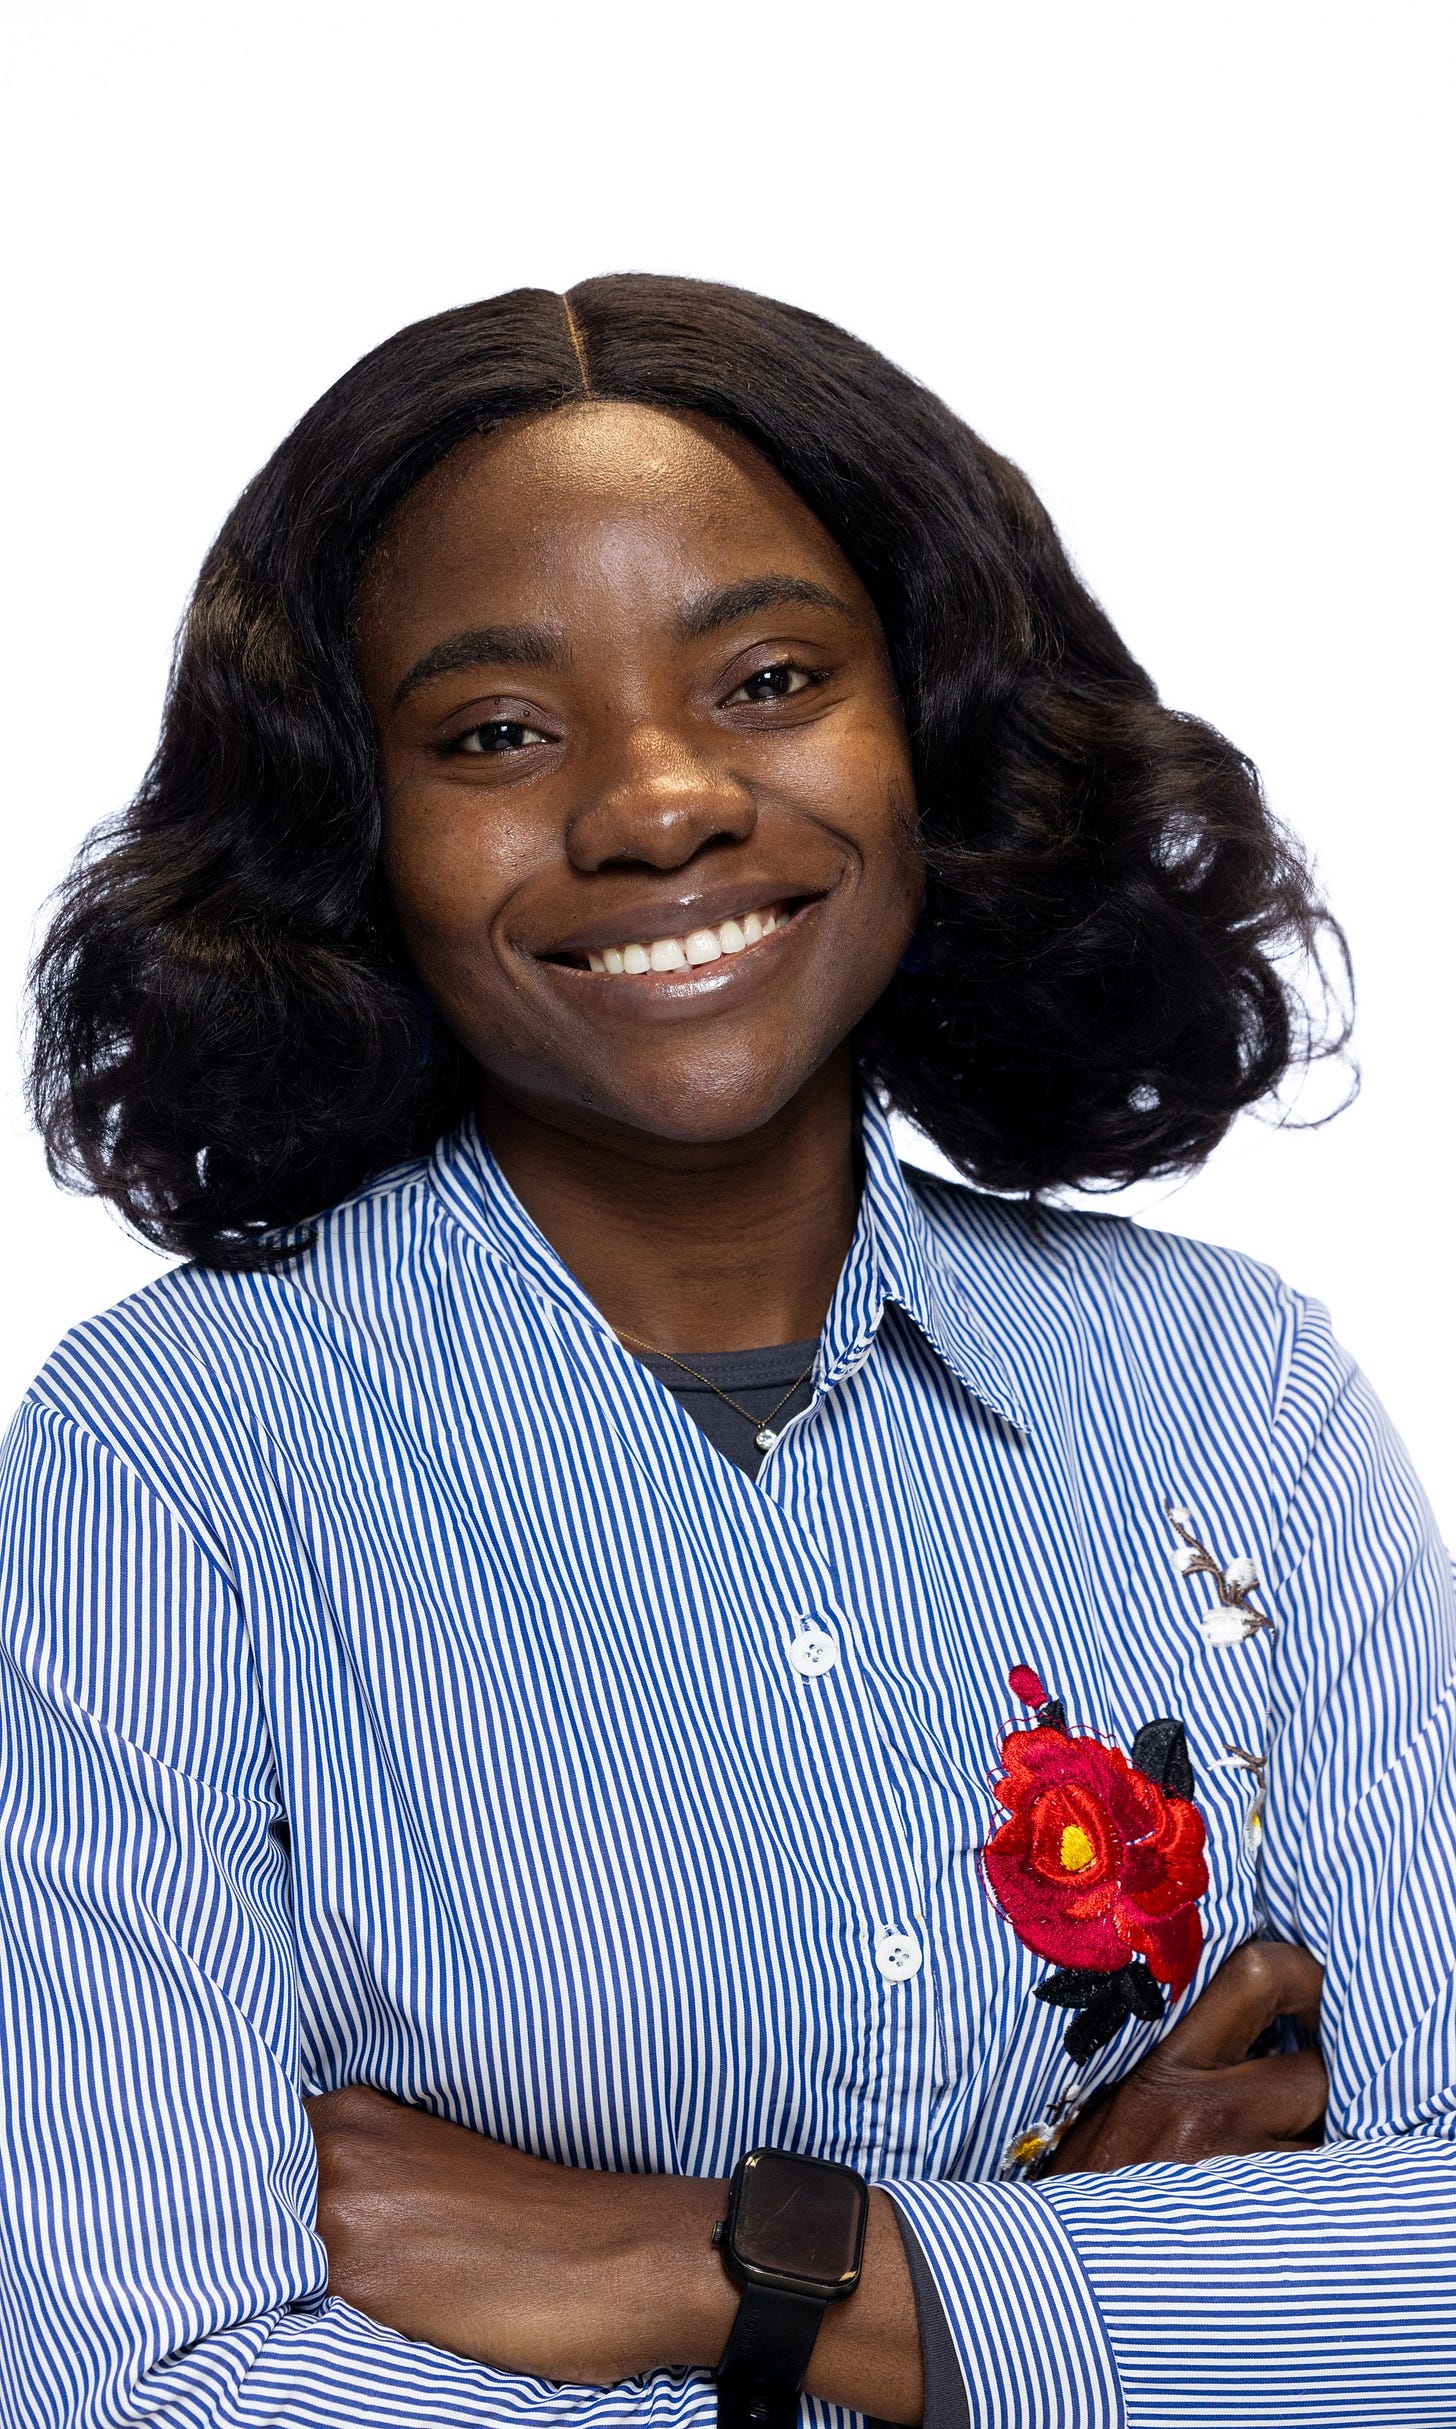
column 813, row 1652
column 897, row 1955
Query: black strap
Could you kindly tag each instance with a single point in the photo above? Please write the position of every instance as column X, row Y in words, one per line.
column 766, row 2358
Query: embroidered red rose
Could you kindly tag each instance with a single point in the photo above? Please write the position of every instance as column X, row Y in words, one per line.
column 1099, row 1864
column 1096, row 1863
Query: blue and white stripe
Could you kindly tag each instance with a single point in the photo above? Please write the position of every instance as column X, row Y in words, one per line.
column 396, row 1687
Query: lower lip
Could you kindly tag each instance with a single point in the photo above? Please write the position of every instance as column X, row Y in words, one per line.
column 666, row 994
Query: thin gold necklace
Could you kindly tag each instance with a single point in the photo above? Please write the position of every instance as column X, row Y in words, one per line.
column 765, row 1437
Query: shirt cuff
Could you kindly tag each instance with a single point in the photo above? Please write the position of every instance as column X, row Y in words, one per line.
column 945, row 2388
column 1020, row 2315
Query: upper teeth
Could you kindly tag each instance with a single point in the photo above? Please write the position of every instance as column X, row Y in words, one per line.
column 680, row 952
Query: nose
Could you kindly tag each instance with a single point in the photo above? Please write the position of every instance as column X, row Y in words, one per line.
column 658, row 801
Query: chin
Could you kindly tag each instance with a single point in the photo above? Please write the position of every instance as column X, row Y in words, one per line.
column 704, row 1105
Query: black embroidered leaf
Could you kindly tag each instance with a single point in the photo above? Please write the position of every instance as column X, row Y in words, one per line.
column 1072, row 1987
column 1144, row 1996
column 1093, row 2029
column 1053, row 1715
column 1160, row 1753
column 1103, row 2003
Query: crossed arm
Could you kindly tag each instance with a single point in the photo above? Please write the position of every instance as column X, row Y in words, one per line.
column 592, row 2278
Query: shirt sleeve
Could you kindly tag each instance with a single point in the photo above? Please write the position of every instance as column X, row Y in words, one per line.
column 158, row 2262
column 1316, row 2287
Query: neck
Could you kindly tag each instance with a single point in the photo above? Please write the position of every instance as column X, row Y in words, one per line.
column 733, row 1245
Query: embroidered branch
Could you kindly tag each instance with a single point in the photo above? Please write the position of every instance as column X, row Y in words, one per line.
column 1233, row 1618
column 1026, row 2152
column 1238, row 1758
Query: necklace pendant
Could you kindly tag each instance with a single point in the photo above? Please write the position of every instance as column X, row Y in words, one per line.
column 765, row 1438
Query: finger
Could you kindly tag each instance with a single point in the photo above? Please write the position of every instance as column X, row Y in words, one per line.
column 1188, row 2114
column 1261, row 1981
column 1239, row 2142
column 1075, row 2145
column 1281, row 2099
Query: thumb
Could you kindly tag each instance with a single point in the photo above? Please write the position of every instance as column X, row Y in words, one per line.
column 1261, row 1981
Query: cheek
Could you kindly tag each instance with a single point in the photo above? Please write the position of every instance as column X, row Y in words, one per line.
column 882, row 833
column 863, row 786
column 448, row 862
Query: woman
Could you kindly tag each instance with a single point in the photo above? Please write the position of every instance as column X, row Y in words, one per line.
column 642, row 1633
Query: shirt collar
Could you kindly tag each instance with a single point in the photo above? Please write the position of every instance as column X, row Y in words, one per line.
column 894, row 1259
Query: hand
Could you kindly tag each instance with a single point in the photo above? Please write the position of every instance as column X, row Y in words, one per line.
column 1199, row 2094
column 571, row 2274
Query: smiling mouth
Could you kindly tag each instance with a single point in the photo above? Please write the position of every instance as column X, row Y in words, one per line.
column 693, row 949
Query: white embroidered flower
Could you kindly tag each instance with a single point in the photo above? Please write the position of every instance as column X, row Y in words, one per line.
column 1024, row 2150
column 1234, row 1619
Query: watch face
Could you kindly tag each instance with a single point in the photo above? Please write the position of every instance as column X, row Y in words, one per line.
column 799, row 2218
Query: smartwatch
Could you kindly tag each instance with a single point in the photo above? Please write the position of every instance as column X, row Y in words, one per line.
column 793, row 2239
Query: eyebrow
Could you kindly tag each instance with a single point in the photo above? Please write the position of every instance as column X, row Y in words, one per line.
column 715, row 608
column 484, row 645
column 534, row 646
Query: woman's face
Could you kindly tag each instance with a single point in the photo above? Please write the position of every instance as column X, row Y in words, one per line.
column 634, row 704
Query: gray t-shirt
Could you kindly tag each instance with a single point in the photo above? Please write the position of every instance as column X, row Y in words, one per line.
column 756, row 1378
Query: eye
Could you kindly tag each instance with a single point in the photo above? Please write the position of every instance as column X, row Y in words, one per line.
column 498, row 736
column 778, row 682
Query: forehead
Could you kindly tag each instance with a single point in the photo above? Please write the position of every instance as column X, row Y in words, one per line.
column 595, row 492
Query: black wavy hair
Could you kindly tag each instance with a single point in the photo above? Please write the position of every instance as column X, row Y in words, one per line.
column 226, row 1035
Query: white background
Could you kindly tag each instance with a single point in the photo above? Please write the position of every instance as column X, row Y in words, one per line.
column 1187, row 264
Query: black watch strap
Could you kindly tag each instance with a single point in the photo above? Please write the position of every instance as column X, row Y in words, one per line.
column 766, row 2358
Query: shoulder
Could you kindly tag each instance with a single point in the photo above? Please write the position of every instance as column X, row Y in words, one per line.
column 171, row 1373
column 1100, row 1248
column 1074, row 1275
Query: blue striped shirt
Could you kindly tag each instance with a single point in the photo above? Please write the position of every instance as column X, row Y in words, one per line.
column 398, row 1687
